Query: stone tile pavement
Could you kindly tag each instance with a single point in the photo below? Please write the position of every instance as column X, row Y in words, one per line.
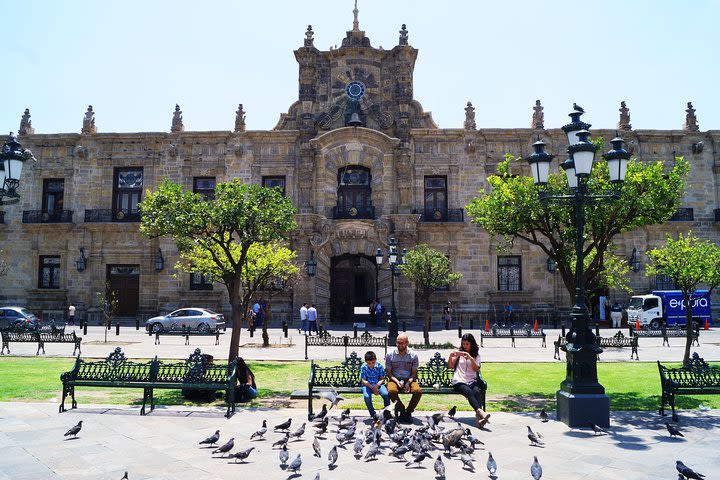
column 164, row 445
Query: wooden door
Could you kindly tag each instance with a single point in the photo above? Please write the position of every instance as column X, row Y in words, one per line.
column 124, row 280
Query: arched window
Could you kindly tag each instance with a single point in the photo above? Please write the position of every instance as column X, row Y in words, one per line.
column 354, row 193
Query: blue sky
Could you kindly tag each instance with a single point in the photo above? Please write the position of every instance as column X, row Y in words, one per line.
column 133, row 61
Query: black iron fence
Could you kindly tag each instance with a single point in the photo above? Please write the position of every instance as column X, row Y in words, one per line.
column 109, row 215
column 450, row 215
column 43, row 216
column 353, row 212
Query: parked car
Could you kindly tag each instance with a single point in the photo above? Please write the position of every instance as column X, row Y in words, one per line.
column 19, row 318
column 200, row 319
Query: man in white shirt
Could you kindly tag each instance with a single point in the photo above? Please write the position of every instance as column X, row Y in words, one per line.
column 312, row 319
column 303, row 318
column 71, row 315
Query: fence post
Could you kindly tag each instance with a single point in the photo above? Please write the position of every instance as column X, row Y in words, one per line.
column 285, row 328
column 404, row 326
column 85, row 327
column 597, row 330
column 472, row 323
column 306, row 342
column 117, row 328
column 563, row 329
column 459, row 331
column 355, row 331
column 137, row 323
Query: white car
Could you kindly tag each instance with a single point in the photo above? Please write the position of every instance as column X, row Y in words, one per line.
column 199, row 319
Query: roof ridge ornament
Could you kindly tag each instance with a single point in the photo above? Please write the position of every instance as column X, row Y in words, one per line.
column 403, row 35
column 356, row 24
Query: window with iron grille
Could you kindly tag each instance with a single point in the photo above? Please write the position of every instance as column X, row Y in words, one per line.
column 663, row 282
column 128, row 186
column 435, row 198
column 198, row 281
column 205, row 186
column 49, row 275
column 276, row 181
column 52, row 196
column 509, row 273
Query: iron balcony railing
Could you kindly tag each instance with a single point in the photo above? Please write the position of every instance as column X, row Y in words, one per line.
column 44, row 216
column 109, row 215
column 450, row 215
column 683, row 215
column 354, row 212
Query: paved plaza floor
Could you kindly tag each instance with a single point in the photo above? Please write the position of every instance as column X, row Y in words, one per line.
column 164, row 445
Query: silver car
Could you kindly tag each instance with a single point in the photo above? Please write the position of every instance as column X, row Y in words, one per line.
column 19, row 318
column 199, row 319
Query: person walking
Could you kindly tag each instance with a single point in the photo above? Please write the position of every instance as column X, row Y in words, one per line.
column 616, row 315
column 508, row 310
column 466, row 363
column 447, row 314
column 378, row 313
column 312, row 319
column 71, row 315
column 303, row 318
column 401, row 366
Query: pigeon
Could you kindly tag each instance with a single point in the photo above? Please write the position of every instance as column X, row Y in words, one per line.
column 331, row 396
column 543, row 415
column 578, row 108
column 74, row 430
column 345, row 414
column 491, row 465
column 282, row 441
column 673, row 430
column 212, row 439
column 284, row 425
column 320, row 415
column 317, row 476
column 467, row 461
column 536, row 469
column 417, row 459
column 332, row 457
column 242, row 454
column 322, row 426
column 436, row 419
column 687, row 471
column 299, row 432
column 454, row 436
column 471, row 438
column 387, row 414
column 284, row 455
column 451, row 413
column 358, row 446
column 372, row 453
column 225, row 448
column 316, row 447
column 597, row 429
column 440, row 467
column 400, row 452
column 124, row 477
column 533, row 437
column 260, row 433
column 295, row 464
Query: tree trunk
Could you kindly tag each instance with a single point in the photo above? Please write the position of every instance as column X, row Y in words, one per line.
column 265, row 336
column 426, row 320
column 687, row 298
column 238, row 311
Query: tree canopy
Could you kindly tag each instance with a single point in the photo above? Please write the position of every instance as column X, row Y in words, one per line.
column 511, row 210
column 690, row 263
column 214, row 236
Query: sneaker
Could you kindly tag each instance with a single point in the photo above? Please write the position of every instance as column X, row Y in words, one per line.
column 405, row 418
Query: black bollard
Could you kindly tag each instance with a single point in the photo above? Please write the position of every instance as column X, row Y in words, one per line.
column 85, row 327
column 597, row 330
column 117, row 328
column 137, row 323
column 563, row 330
column 472, row 323
column 252, row 330
column 459, row 331
column 355, row 331
column 430, row 325
column 285, row 328
column 404, row 326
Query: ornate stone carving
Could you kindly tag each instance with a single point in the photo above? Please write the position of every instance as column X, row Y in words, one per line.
column 470, row 117
column 238, row 150
column 624, row 123
column 177, row 121
column 322, row 229
column 697, row 147
column 26, row 124
column 173, row 151
column 80, row 151
column 538, row 118
column 403, row 35
column 89, row 121
column 691, row 124
column 240, row 119
column 309, row 36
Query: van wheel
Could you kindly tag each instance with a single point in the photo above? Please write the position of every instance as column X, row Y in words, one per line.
column 655, row 324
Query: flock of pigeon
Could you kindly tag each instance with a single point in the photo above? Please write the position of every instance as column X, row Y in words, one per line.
column 386, row 437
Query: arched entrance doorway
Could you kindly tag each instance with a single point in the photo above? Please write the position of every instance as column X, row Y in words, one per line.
column 353, row 284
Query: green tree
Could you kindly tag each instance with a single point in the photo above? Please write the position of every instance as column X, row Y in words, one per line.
column 430, row 269
column 512, row 211
column 215, row 236
column 689, row 262
column 108, row 302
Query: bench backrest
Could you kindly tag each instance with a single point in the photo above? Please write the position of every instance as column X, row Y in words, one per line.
column 19, row 336
column 114, row 368
column 697, row 373
column 196, row 369
column 57, row 337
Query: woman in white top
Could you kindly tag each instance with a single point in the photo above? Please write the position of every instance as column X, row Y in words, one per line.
column 466, row 362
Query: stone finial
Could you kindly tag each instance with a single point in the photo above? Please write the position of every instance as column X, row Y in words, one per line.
column 177, row 121
column 240, row 119
column 309, row 36
column 403, row 35
column 356, row 23
column 624, row 123
column 470, row 117
column 89, row 121
column 26, row 124
column 691, row 124
column 538, row 118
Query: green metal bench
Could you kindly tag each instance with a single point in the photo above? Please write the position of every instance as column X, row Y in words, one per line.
column 187, row 333
column 325, row 339
column 435, row 377
column 696, row 378
column 41, row 338
column 512, row 333
column 665, row 332
column 616, row 341
column 195, row 373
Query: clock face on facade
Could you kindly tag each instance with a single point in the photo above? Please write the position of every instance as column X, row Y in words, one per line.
column 355, row 90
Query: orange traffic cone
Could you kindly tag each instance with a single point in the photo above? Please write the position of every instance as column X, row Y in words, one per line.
column 487, row 325
column 535, row 327
column 637, row 324
column 707, row 324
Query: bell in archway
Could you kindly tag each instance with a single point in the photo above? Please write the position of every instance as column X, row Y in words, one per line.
column 354, row 120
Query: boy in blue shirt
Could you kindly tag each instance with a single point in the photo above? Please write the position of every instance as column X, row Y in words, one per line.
column 372, row 377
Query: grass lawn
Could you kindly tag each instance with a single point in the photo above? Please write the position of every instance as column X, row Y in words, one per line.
column 511, row 386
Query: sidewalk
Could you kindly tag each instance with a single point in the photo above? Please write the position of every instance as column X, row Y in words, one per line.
column 138, row 344
column 164, row 445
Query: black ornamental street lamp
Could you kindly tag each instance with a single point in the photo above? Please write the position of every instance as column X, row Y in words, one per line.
column 394, row 261
column 581, row 398
column 311, row 265
column 12, row 158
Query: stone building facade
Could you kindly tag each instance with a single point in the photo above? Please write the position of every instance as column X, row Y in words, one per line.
column 361, row 160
